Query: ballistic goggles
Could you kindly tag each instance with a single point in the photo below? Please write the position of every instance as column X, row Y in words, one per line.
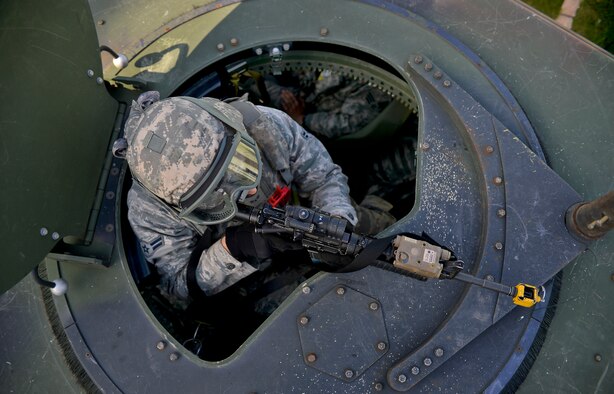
column 235, row 170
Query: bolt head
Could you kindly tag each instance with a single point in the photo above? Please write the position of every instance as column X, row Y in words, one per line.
column 306, row 290
column 489, row 149
column 425, row 146
column 378, row 386
column 447, row 83
column 161, row 345
column 340, row 290
column 402, row 378
column 234, row 42
column 415, row 370
column 286, row 47
column 99, row 81
column 490, row 278
column 381, row 346
column 55, row 236
column 173, row 357
column 439, row 352
column 43, row 231
column 428, row 362
column 498, row 246
column 348, row 373
column 304, row 320
column 101, row 22
column 374, row 306
column 418, row 59
column 258, row 51
column 220, row 47
column 323, row 31
column 437, row 75
column 598, row 357
column 501, row 212
column 428, row 67
column 497, row 180
column 311, row 358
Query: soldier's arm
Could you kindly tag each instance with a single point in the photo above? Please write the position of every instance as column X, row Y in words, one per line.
column 312, row 168
column 360, row 105
column 168, row 244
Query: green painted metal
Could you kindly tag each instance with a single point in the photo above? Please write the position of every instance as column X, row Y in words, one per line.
column 563, row 83
column 55, row 124
column 566, row 87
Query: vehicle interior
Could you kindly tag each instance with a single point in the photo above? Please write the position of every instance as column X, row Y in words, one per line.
column 380, row 152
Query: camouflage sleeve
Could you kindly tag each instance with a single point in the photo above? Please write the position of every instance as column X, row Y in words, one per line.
column 313, row 171
column 168, row 243
column 354, row 112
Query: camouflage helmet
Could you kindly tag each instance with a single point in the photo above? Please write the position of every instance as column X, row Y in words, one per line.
column 172, row 143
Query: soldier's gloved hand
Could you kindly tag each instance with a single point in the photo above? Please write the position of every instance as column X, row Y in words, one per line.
column 244, row 244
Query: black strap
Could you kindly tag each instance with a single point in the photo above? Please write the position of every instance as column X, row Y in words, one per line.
column 369, row 254
column 196, row 293
column 248, row 110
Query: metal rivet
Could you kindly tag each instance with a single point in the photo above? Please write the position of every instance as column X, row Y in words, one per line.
column 220, row 47
column 418, row 59
column 286, row 47
column 447, row 83
column 114, row 171
column 348, row 373
column 340, row 290
column 374, row 306
column 99, row 81
column 378, row 386
column 323, row 31
column 258, row 51
column 381, row 346
column 437, row 75
column 498, row 245
column 90, row 73
column 311, row 358
column 43, row 231
column 497, row 180
column 306, row 290
column 234, row 42
column 173, row 357
column 428, row 362
column 501, row 212
column 428, row 67
column 303, row 320
column 489, row 277
column 88, row 354
column 101, row 22
column 598, row 357
column 424, row 146
column 161, row 345
column 109, row 228
column 439, row 352
column 489, row 149
column 109, row 195
column 415, row 370
column 402, row 378
column 55, row 236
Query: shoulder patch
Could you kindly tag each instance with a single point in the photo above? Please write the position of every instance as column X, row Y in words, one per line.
column 150, row 247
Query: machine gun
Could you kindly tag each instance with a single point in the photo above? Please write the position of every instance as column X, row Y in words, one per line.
column 417, row 257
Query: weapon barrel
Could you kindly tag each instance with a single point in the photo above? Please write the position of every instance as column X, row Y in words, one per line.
column 487, row 284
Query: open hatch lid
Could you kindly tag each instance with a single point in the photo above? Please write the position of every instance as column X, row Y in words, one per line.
column 56, row 120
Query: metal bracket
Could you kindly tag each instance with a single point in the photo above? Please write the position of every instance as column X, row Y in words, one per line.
column 505, row 186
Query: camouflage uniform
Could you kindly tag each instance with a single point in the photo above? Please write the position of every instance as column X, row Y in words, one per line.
column 337, row 106
column 290, row 155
